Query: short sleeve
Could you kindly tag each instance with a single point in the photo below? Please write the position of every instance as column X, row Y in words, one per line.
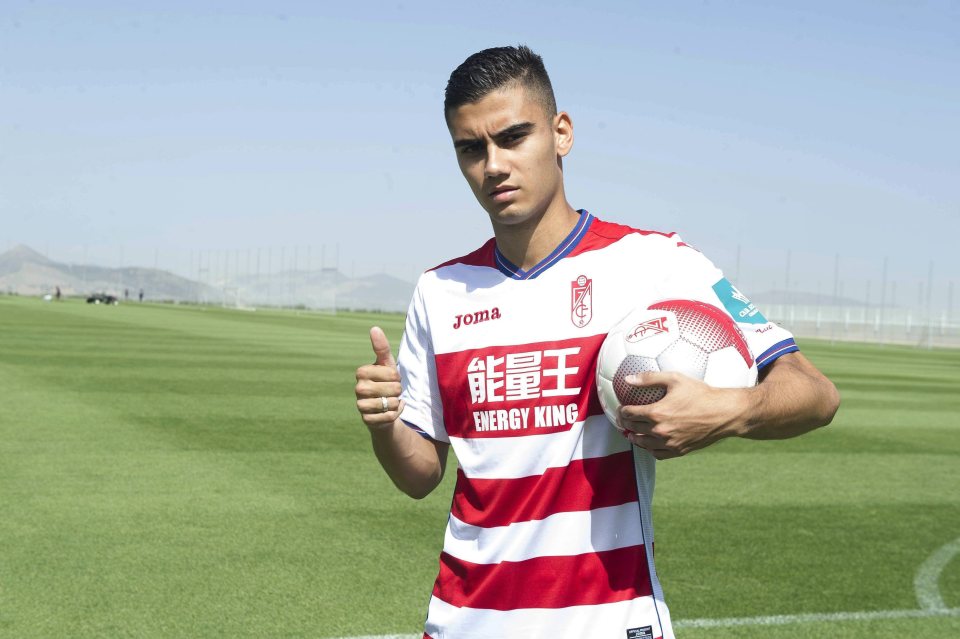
column 693, row 276
column 423, row 410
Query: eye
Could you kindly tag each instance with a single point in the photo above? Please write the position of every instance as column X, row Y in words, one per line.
column 469, row 149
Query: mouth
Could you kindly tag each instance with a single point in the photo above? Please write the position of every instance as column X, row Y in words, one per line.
column 503, row 193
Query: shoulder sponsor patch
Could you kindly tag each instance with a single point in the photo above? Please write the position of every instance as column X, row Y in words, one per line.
column 737, row 303
column 645, row 632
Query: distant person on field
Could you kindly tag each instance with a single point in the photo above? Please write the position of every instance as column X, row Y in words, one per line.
column 57, row 294
column 550, row 532
column 141, row 295
column 126, row 294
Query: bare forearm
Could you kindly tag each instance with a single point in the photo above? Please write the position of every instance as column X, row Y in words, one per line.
column 793, row 398
column 413, row 463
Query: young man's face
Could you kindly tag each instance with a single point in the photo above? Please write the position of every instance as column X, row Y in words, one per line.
column 509, row 149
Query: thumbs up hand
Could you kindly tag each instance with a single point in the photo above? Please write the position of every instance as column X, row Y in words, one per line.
column 378, row 385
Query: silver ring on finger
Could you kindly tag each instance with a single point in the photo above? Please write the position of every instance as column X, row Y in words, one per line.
column 383, row 403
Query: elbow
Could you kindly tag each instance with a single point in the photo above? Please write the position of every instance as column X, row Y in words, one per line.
column 830, row 402
column 419, row 489
column 417, row 492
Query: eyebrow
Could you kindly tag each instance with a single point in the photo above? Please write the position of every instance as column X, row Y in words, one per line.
column 519, row 127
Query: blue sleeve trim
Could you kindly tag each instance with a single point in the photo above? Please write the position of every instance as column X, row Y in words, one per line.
column 775, row 351
column 418, row 430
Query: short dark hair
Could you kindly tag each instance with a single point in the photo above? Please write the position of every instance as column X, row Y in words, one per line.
column 491, row 69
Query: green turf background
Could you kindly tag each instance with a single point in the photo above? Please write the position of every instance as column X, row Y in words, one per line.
column 195, row 472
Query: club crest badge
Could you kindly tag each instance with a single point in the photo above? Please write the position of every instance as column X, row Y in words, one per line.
column 581, row 301
column 646, row 329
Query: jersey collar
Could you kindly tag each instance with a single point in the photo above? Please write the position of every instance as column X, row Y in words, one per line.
column 569, row 243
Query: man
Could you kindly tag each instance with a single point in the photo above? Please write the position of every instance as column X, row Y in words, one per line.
column 550, row 533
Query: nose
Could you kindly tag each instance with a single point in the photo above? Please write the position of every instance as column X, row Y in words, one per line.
column 496, row 162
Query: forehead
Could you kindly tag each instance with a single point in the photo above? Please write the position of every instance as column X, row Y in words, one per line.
column 494, row 112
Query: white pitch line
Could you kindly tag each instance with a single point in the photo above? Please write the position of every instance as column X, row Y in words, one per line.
column 925, row 584
column 783, row 620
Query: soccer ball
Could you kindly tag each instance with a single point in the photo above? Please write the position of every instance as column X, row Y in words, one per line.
column 683, row 336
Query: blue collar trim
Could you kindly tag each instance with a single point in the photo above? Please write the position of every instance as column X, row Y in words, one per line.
column 563, row 249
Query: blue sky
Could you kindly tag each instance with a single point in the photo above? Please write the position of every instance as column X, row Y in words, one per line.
column 141, row 131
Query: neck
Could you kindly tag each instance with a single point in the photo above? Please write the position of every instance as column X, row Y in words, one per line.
column 528, row 243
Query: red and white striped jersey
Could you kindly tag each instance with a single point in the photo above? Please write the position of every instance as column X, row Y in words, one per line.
column 550, row 532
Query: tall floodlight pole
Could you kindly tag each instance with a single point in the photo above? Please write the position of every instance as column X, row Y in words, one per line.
column 196, row 288
column 818, row 309
column 323, row 268
column 786, row 278
column 950, row 303
column 284, row 281
column 930, row 306
column 85, row 292
column 786, row 288
column 120, row 273
column 883, row 302
column 293, row 292
column 309, row 279
column 836, row 297
column 269, row 275
column 199, row 274
column 336, row 274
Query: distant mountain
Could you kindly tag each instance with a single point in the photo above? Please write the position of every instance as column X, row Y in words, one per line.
column 27, row 272
column 14, row 259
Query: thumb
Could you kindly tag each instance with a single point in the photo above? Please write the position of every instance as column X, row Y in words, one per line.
column 381, row 347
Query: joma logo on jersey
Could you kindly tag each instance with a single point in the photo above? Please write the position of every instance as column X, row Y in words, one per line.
column 581, row 301
column 644, row 330
column 476, row 318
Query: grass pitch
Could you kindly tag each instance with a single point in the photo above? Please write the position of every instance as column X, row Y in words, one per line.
column 180, row 471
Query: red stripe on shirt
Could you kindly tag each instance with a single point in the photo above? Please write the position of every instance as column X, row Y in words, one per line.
column 584, row 484
column 545, row 582
column 602, row 234
column 483, row 256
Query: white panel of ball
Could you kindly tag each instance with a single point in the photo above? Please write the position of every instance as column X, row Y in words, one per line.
column 725, row 369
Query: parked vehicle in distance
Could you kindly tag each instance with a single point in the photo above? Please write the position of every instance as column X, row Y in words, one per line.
column 102, row 298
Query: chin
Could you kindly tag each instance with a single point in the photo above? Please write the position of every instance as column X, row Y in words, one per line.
column 508, row 216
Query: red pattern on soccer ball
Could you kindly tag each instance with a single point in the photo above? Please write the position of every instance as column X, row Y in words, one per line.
column 707, row 326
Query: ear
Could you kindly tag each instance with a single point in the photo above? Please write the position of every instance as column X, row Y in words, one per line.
column 563, row 133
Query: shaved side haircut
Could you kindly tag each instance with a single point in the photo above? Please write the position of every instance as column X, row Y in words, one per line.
column 498, row 68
